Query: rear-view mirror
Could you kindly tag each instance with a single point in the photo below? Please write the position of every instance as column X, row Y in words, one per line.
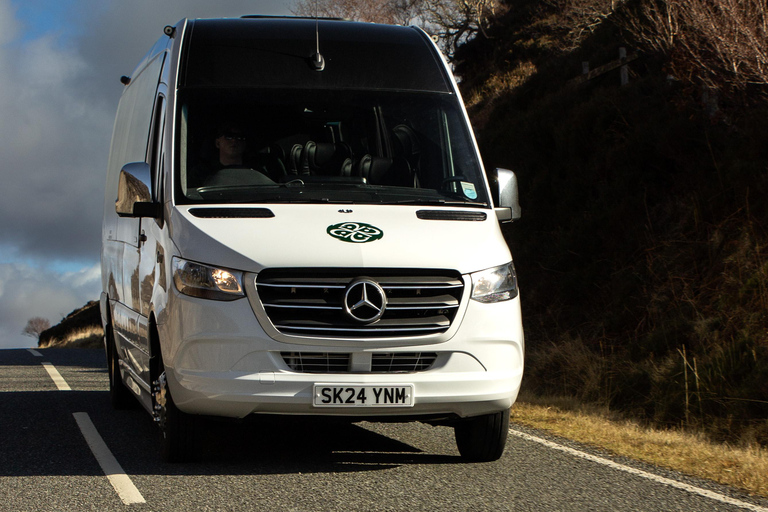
column 505, row 195
column 134, row 192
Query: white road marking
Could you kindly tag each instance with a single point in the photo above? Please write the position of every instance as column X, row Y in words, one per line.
column 34, row 352
column 121, row 482
column 56, row 377
column 644, row 474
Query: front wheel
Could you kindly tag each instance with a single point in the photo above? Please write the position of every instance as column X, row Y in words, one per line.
column 177, row 427
column 482, row 439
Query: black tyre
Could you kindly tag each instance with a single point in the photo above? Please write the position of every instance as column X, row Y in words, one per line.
column 177, row 427
column 482, row 439
column 120, row 396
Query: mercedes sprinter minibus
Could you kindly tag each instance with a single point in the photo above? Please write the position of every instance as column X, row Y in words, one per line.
column 297, row 222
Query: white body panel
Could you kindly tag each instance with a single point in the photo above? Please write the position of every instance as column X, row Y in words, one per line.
column 296, row 237
column 222, row 361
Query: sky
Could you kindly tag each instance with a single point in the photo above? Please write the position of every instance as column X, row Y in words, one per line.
column 60, row 65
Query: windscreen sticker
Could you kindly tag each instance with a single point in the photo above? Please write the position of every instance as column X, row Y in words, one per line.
column 355, row 232
column 469, row 190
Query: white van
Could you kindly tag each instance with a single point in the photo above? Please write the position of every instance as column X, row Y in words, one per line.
column 297, row 222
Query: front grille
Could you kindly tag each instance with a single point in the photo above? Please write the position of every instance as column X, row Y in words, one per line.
column 310, row 302
column 391, row 362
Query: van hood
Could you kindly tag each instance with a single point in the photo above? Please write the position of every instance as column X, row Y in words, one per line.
column 252, row 238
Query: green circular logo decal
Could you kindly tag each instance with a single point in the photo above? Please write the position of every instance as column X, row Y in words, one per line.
column 355, row 232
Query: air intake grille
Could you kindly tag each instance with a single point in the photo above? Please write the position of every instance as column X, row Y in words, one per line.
column 324, row 362
column 403, row 363
column 311, row 302
column 316, row 362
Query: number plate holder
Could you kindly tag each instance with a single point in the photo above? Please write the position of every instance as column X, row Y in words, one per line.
column 349, row 396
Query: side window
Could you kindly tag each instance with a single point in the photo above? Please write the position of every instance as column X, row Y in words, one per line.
column 134, row 118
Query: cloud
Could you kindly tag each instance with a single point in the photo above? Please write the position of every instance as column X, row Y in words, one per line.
column 27, row 292
column 52, row 148
column 59, row 89
column 9, row 27
column 58, row 97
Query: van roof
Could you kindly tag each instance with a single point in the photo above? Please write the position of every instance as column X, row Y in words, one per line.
column 277, row 52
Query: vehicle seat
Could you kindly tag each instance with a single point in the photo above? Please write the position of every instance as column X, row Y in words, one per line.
column 297, row 161
column 406, row 145
column 326, row 158
column 378, row 170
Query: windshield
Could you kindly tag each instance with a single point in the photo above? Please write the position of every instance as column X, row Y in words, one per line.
column 257, row 146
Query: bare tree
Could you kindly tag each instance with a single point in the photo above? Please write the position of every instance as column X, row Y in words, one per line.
column 452, row 21
column 721, row 43
column 577, row 19
column 656, row 24
column 402, row 12
column 35, row 326
column 456, row 21
column 730, row 36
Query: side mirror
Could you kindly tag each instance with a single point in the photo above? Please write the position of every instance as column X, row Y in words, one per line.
column 505, row 195
column 134, row 192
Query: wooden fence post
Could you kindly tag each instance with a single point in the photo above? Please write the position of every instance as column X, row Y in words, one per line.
column 622, row 62
column 624, row 67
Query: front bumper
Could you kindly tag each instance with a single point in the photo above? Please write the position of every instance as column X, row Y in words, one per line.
column 222, row 363
column 437, row 392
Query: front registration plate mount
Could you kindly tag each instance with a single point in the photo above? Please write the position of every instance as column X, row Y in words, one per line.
column 342, row 395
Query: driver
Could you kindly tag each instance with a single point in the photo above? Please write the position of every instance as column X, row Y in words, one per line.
column 230, row 143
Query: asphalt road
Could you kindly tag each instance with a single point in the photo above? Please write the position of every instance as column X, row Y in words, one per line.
column 47, row 463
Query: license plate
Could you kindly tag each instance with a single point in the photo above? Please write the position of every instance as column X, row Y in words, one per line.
column 336, row 395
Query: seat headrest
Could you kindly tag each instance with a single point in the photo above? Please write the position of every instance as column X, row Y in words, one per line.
column 319, row 153
column 406, row 141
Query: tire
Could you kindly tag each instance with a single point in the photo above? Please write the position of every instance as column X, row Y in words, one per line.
column 177, row 427
column 178, row 434
column 482, row 439
column 119, row 395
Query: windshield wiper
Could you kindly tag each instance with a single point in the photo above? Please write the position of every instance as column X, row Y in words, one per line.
column 440, row 201
column 294, row 200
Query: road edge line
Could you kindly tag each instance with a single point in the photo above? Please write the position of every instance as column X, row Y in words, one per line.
column 638, row 472
column 128, row 493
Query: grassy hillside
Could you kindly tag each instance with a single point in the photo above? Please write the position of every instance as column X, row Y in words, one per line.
column 642, row 253
column 79, row 329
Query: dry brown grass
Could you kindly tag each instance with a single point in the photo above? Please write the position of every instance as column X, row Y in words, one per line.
column 481, row 101
column 745, row 468
column 86, row 337
column 501, row 83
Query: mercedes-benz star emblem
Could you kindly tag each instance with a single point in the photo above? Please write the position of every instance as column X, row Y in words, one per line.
column 364, row 301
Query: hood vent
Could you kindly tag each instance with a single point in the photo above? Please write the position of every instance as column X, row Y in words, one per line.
column 450, row 215
column 232, row 213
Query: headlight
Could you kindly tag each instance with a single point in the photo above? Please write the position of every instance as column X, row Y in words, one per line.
column 495, row 284
column 207, row 282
